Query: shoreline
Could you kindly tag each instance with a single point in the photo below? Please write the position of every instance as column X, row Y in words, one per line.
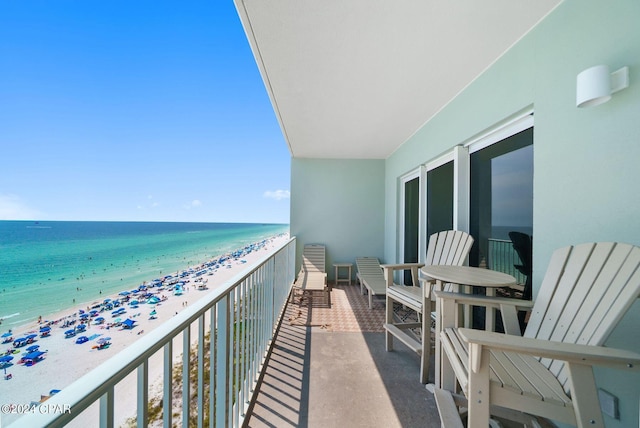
column 31, row 383
column 43, row 277
column 60, row 314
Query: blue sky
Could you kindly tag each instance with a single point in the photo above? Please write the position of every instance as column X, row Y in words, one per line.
column 135, row 111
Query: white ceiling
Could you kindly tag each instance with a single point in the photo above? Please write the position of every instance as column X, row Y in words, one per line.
column 357, row 78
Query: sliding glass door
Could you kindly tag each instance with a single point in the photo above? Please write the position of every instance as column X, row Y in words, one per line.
column 411, row 222
column 440, row 198
column 501, row 205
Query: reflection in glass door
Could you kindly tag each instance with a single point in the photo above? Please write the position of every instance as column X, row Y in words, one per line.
column 501, row 204
column 440, row 199
column 411, row 223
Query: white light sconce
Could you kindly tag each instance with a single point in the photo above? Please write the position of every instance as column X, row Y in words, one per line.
column 595, row 85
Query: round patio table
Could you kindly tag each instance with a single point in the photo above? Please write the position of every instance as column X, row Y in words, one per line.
column 465, row 276
column 471, row 276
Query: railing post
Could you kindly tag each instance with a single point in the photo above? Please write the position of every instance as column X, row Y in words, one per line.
column 143, row 394
column 201, row 331
column 212, row 366
column 186, row 384
column 106, row 409
column 222, row 344
column 167, row 391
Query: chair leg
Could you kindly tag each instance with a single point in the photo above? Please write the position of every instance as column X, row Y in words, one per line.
column 584, row 395
column 425, row 357
column 389, row 320
column 479, row 395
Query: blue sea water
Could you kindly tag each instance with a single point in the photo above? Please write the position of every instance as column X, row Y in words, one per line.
column 50, row 266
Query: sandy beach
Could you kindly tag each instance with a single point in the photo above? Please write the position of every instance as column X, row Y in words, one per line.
column 65, row 361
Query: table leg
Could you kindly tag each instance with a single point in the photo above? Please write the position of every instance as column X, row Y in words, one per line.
column 468, row 309
column 490, row 313
column 446, row 316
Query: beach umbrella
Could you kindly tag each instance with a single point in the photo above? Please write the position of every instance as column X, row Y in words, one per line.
column 6, row 358
column 128, row 323
column 47, row 328
column 84, row 316
column 124, row 293
column 7, row 334
column 33, row 348
column 31, row 336
column 33, row 355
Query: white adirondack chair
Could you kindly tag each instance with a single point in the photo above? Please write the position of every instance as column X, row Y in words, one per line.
column 449, row 247
column 586, row 291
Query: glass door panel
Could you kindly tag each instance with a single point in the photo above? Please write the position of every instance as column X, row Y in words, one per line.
column 501, row 204
column 411, row 223
column 440, row 199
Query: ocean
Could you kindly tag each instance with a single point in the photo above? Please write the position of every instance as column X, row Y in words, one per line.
column 51, row 266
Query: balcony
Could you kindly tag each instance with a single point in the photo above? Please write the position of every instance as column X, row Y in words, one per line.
column 327, row 366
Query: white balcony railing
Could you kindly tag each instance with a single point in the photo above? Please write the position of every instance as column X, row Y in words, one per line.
column 503, row 258
column 246, row 311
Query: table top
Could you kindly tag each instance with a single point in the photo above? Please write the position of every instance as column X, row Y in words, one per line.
column 343, row 264
column 467, row 275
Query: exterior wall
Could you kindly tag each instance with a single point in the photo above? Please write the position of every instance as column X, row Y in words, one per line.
column 585, row 160
column 339, row 203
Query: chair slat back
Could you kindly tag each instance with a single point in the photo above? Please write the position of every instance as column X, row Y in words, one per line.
column 369, row 266
column 449, row 247
column 585, row 293
column 313, row 258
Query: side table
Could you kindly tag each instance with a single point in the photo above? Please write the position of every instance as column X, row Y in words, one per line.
column 347, row 266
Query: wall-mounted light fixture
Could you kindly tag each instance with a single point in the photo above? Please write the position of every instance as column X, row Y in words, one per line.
column 595, row 85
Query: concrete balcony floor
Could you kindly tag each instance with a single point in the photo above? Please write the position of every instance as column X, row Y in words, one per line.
column 329, row 368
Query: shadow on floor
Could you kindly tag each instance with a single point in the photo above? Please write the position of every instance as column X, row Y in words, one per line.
column 329, row 368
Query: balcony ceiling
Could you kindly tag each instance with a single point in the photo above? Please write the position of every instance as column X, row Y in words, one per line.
column 357, row 78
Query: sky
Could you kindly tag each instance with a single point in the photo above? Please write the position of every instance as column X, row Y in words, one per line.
column 135, row 111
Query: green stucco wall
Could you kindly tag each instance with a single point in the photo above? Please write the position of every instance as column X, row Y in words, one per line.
column 586, row 161
column 339, row 203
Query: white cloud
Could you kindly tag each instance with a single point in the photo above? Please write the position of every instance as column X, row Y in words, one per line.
column 13, row 208
column 277, row 194
column 193, row 204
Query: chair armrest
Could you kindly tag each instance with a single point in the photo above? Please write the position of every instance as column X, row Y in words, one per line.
column 486, row 301
column 573, row 353
column 390, row 268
